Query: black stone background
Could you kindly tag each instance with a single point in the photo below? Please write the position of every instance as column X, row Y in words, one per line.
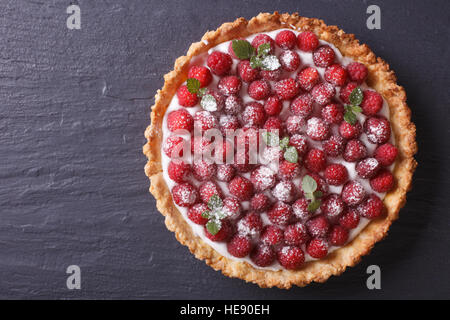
column 74, row 107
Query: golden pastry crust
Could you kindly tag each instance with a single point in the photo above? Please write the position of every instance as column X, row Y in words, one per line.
column 380, row 77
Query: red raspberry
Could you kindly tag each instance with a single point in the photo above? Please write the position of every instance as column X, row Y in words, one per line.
column 273, row 154
column 354, row 150
column 333, row 113
column 371, row 208
column 302, row 105
column 377, row 129
column 259, row 89
column 184, row 194
column 300, row 143
column 241, row 188
column 261, row 39
column 254, row 114
column 371, row 103
column 307, row 41
column 284, row 191
column 225, row 172
column 295, row 124
column 195, row 213
column 334, row 146
column 336, row 174
column 228, row 124
column 271, row 235
column 323, row 93
column 317, row 129
column 224, row 233
column 286, row 39
column 239, row 246
column 204, row 120
column 367, row 168
column 204, row 170
column 386, row 154
column 230, row 85
column 260, row 202
column 231, row 207
column 273, row 106
column 173, row 147
column 233, row 105
column 332, row 207
column 350, row 131
column 338, row 236
column 223, row 151
column 287, row 89
column 242, row 161
column 271, row 75
column 317, row 248
column 274, row 124
column 357, row 72
column 178, row 170
column 280, row 213
column 323, row 56
column 336, row 75
column 353, row 193
column 185, row 98
column 207, row 190
column 350, row 219
column 300, row 209
column 199, row 145
column 180, row 120
column 262, row 255
column 220, row 100
column 383, row 181
column 315, row 160
column 296, row 234
column 219, row 62
column 308, row 78
column 291, row 257
column 263, row 178
column 246, row 72
column 322, row 186
column 230, row 49
column 250, row 224
column 202, row 74
column 344, row 94
column 290, row 60
column 318, row 226
column 288, row 170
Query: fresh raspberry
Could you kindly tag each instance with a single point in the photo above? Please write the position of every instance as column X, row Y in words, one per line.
column 367, row 168
column 350, row 131
column 338, row 236
column 336, row 174
column 271, row 235
column 336, row 75
column 271, row 75
column 195, row 213
column 280, row 213
column 354, row 150
column 302, row 105
column 273, row 154
column 344, row 94
column 173, row 147
column 228, row 124
column 284, row 191
column 334, row 146
column 291, row 257
column 308, row 78
column 317, row 248
column 241, row 188
column 229, row 85
column 242, row 162
column 288, row 170
column 180, row 120
column 377, row 129
column 246, row 72
column 371, row 103
column 332, row 113
column 254, row 114
column 300, row 143
column 300, row 209
column 178, row 170
column 185, row 98
column 323, row 56
column 289, row 60
column 230, row 48
column 332, row 207
column 307, row 41
column 223, row 151
column 184, row 194
column 322, row 185
column 357, row 72
column 353, row 193
column 204, row 120
column 233, row 105
column 386, row 154
column 231, row 207
column 274, row 124
column 273, row 106
column 296, row 234
column 315, row 160
column 263, row 178
column 318, row 226
column 250, row 224
column 261, row 39
column 204, row 170
column 262, row 255
column 224, row 233
column 350, row 219
column 260, row 202
column 371, row 208
column 383, row 181
column 239, row 246
column 322, row 93
column 220, row 100
column 259, row 89
column 199, row 145
column 286, row 39
column 295, row 124
column 202, row 74
column 287, row 89
column 219, row 63
column 317, row 129
column 225, row 172
column 207, row 190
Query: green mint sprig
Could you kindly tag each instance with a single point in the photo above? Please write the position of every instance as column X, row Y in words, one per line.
column 352, row 109
column 207, row 102
column 215, row 214
column 290, row 152
column 309, row 186
column 260, row 58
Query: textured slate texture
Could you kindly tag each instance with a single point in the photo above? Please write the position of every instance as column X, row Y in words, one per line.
column 74, row 106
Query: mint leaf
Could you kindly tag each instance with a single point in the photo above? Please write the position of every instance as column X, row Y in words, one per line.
column 356, row 96
column 242, row 49
column 270, row 138
column 208, row 103
column 356, row 109
column 350, row 117
column 201, row 92
column 291, row 154
column 193, row 85
column 309, row 185
column 264, row 49
column 317, row 194
column 314, row 205
column 213, row 227
column 206, row 214
column 284, row 143
column 255, row 62
column 215, row 202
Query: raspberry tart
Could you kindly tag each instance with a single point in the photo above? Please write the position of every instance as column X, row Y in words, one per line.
column 280, row 150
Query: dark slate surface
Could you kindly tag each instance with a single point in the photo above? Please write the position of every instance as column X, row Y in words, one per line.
column 74, row 106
